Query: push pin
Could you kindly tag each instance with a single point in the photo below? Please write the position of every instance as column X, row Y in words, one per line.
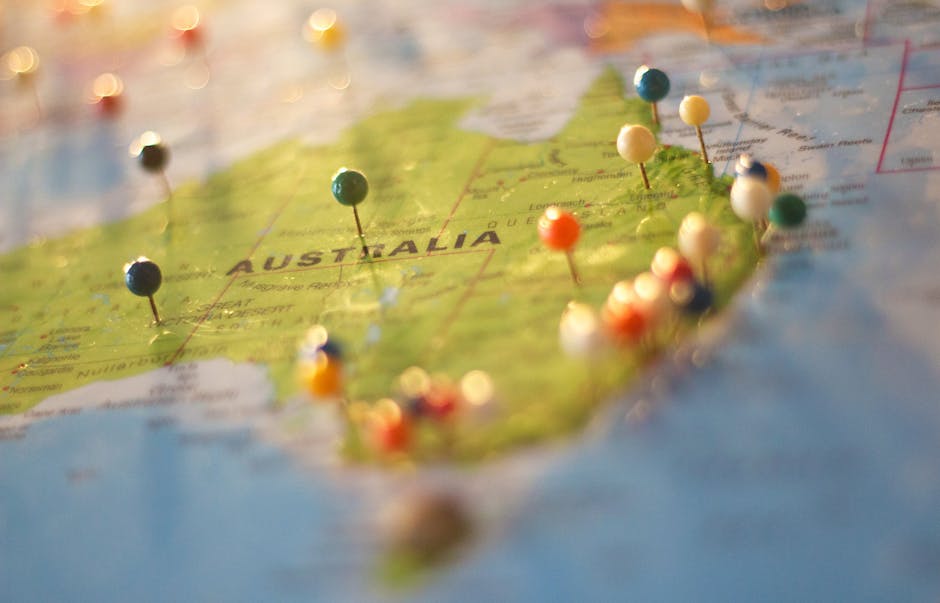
column 350, row 188
column 694, row 111
column 154, row 156
column 652, row 85
column 22, row 65
column 560, row 230
column 143, row 278
column 637, row 144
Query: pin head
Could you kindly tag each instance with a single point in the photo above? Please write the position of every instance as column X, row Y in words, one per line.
column 322, row 376
column 750, row 167
column 622, row 315
column 750, row 199
column 150, row 150
column 187, row 27
column 142, row 277
column 773, row 178
column 106, row 92
column 652, row 85
column 694, row 110
column 698, row 6
column 21, row 63
column 788, row 211
column 558, row 229
column 636, row 143
column 323, row 29
column 697, row 238
column 579, row 330
column 671, row 267
column 350, row 187
column 692, row 297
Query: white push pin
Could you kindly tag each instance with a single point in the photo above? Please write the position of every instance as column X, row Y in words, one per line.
column 652, row 297
column 579, row 331
column 698, row 241
column 751, row 200
column 637, row 144
column 702, row 8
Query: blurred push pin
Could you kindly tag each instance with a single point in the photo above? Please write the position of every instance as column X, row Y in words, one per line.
column 750, row 167
column 154, row 156
column 694, row 111
column 652, row 85
column 637, row 144
column 350, row 188
column 788, row 211
column 188, row 29
column 143, row 278
column 22, row 65
column 698, row 241
column 750, row 201
column 107, row 94
column 702, row 8
column 560, row 230
column 323, row 30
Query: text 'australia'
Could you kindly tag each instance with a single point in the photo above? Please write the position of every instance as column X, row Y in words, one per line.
column 346, row 254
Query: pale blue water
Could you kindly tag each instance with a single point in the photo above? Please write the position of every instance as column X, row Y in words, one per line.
column 102, row 507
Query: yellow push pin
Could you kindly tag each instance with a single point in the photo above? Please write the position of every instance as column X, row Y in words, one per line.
column 694, row 111
column 324, row 30
column 22, row 64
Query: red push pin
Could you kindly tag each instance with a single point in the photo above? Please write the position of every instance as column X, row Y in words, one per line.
column 187, row 28
column 107, row 94
column 671, row 267
column 560, row 230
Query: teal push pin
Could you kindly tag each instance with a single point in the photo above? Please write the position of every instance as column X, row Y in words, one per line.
column 788, row 211
column 652, row 85
column 350, row 188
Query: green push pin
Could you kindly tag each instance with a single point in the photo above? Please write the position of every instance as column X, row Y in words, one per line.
column 350, row 188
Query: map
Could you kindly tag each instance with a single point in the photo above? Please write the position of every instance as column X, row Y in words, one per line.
column 782, row 448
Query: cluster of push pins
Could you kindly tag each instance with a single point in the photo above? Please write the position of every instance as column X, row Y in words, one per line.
column 106, row 91
column 635, row 312
column 392, row 426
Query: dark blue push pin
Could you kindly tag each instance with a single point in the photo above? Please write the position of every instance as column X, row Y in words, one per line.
column 700, row 300
column 144, row 278
column 652, row 85
column 350, row 188
column 747, row 166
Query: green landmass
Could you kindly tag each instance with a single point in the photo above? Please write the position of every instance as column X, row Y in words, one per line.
column 493, row 305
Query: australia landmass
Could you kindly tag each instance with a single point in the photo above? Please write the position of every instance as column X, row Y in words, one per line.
column 455, row 278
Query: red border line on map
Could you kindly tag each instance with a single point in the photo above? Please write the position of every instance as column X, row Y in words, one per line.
column 894, row 109
column 458, row 307
column 264, row 233
column 491, row 143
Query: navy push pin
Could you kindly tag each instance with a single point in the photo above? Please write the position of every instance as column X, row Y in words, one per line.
column 652, row 85
column 143, row 278
column 153, row 155
column 748, row 167
column 350, row 188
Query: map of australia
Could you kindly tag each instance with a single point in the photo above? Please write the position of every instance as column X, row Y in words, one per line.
column 455, row 278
